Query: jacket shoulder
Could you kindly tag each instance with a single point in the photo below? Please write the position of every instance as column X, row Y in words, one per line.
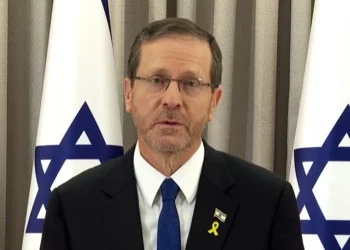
column 244, row 171
column 91, row 178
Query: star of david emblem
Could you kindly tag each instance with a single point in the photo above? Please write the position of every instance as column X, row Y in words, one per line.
column 67, row 150
column 330, row 151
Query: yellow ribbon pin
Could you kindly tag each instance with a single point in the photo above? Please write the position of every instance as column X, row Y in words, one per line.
column 214, row 228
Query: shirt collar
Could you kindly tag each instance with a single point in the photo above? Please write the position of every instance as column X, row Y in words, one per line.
column 186, row 177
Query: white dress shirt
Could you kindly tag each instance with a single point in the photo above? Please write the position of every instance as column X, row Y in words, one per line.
column 149, row 181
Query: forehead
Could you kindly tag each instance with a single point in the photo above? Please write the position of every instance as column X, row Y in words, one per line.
column 176, row 53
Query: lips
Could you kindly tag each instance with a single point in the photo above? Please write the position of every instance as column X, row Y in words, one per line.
column 170, row 123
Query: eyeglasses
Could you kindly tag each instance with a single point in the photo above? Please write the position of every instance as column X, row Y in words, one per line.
column 190, row 87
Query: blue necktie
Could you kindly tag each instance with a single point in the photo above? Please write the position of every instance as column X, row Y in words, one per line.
column 168, row 224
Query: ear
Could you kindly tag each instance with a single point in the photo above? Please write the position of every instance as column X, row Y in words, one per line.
column 128, row 94
column 214, row 102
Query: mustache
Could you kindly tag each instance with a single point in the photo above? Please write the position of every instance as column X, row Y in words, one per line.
column 171, row 115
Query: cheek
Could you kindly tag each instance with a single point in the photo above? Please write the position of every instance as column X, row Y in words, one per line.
column 197, row 110
column 144, row 105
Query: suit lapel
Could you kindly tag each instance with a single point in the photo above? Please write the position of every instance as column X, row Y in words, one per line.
column 214, row 197
column 120, row 214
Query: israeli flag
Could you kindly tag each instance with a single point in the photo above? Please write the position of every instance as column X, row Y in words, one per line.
column 320, row 169
column 80, row 122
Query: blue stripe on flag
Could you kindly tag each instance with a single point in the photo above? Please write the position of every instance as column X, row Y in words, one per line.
column 106, row 8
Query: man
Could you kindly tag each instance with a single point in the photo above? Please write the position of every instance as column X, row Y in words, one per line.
column 172, row 190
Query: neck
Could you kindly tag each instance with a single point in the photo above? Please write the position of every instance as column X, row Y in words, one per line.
column 167, row 163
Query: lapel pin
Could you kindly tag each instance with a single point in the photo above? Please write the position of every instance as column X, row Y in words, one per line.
column 220, row 215
column 214, row 228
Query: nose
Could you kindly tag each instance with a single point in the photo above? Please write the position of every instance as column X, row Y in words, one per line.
column 172, row 97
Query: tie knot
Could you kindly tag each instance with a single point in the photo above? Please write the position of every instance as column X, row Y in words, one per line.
column 169, row 190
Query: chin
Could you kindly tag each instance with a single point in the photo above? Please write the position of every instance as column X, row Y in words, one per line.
column 167, row 144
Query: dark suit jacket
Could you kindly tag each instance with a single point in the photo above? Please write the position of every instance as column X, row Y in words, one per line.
column 99, row 210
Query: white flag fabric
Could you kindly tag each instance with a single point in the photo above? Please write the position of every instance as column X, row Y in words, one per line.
column 79, row 124
column 320, row 169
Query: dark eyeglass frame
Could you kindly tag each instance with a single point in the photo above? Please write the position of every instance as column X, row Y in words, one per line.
column 169, row 80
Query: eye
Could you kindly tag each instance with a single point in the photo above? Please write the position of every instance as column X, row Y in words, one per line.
column 156, row 80
column 192, row 83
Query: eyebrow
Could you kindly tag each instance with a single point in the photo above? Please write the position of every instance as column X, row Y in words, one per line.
column 165, row 72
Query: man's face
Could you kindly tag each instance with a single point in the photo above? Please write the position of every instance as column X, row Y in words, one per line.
column 171, row 120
